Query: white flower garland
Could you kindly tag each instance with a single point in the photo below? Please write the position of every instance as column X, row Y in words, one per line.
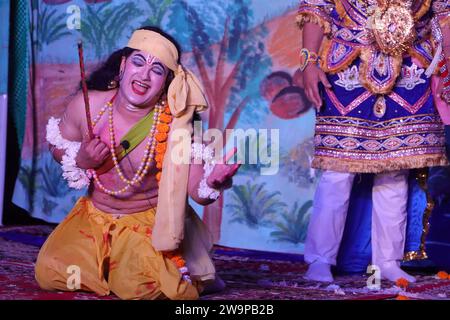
column 202, row 152
column 77, row 178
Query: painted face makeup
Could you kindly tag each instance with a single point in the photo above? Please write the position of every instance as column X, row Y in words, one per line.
column 143, row 79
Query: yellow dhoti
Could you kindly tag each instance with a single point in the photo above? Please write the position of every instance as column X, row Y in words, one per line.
column 116, row 254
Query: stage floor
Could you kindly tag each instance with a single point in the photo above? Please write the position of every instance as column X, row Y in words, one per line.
column 248, row 275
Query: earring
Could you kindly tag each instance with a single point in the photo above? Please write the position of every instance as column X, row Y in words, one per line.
column 113, row 84
column 162, row 99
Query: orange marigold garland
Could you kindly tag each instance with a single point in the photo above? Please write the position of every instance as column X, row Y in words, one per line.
column 159, row 157
column 166, row 118
column 162, row 129
column 162, row 124
column 147, row 158
column 402, row 283
column 161, row 136
column 177, row 259
column 161, row 147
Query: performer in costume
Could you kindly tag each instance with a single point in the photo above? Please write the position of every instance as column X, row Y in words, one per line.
column 376, row 114
column 134, row 233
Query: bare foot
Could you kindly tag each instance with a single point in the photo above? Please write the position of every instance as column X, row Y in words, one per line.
column 319, row 271
column 391, row 271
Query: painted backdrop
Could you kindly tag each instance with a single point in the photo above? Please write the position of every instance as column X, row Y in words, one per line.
column 246, row 54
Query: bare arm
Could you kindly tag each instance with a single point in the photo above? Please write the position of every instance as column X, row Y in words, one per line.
column 69, row 126
column 93, row 152
column 312, row 40
column 312, row 36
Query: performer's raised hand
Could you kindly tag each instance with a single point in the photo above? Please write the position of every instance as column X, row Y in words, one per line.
column 312, row 76
column 92, row 154
column 222, row 175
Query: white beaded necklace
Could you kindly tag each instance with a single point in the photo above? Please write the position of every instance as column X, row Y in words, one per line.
column 147, row 159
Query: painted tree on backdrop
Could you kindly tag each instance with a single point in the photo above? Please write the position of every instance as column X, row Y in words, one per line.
column 230, row 56
column 48, row 25
column 104, row 24
column 158, row 9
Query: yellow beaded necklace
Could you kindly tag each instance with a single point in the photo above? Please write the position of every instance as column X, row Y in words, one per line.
column 149, row 152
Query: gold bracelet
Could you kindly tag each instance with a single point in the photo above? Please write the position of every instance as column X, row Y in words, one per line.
column 306, row 57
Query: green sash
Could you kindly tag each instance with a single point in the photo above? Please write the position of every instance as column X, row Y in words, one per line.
column 134, row 137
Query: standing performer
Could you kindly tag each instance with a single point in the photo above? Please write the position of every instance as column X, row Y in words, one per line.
column 134, row 233
column 375, row 114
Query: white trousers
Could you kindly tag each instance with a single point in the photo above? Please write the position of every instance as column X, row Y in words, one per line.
column 326, row 227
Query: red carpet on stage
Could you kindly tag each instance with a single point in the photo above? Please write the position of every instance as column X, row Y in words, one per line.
column 248, row 275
